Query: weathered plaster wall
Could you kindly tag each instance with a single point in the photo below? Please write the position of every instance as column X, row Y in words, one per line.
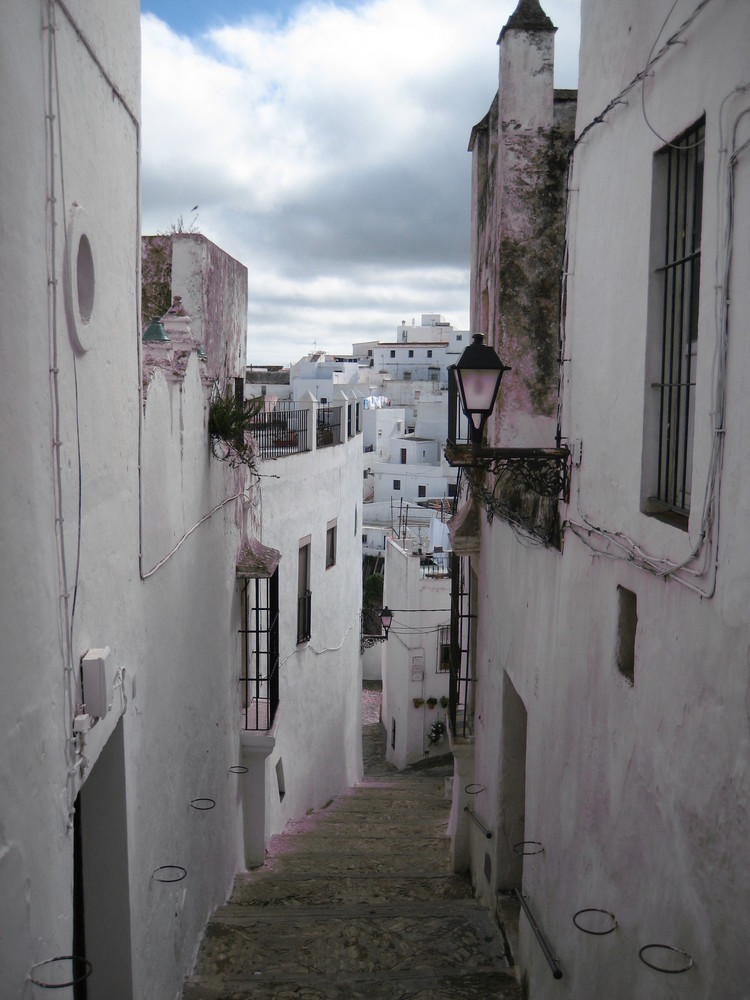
column 213, row 289
column 318, row 738
column 638, row 793
column 518, row 191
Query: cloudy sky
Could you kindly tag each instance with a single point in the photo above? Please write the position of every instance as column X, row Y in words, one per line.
column 325, row 145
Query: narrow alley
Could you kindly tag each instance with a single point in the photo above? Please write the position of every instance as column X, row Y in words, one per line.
column 357, row 902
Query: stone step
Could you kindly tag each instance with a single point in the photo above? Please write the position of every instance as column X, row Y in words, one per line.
column 357, row 901
column 296, row 889
column 415, row 940
column 437, row 984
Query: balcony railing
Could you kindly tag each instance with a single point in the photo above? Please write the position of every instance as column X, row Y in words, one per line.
column 282, row 430
column 328, row 428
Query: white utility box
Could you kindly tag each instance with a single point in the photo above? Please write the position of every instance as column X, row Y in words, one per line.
column 97, row 676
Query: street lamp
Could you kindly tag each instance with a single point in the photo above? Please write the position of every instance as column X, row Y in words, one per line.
column 386, row 617
column 478, row 375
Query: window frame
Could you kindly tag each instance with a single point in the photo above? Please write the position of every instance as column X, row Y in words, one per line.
column 674, row 303
column 331, row 543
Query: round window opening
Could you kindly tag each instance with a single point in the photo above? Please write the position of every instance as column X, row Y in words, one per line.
column 86, row 281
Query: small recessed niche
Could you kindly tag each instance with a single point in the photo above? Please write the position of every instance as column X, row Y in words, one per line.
column 85, row 279
column 79, row 280
column 280, row 779
column 627, row 621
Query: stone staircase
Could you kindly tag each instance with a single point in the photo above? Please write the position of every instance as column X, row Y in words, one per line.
column 357, row 902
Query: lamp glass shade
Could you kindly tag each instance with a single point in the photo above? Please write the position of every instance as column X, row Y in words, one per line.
column 478, row 375
column 386, row 618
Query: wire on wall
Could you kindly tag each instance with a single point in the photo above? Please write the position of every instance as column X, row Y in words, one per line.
column 617, row 545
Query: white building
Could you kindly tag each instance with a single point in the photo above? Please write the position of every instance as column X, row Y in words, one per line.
column 610, row 745
column 312, row 750
column 416, row 656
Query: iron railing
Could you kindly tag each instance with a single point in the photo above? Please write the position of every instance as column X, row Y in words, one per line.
column 462, row 680
column 259, row 679
column 282, row 430
column 328, row 429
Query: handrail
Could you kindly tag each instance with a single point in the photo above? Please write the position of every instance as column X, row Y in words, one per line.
column 551, row 960
column 475, row 819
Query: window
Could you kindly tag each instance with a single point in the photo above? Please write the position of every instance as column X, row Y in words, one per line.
column 673, row 326
column 259, row 628
column 393, row 354
column 422, row 491
column 407, row 376
column 403, row 456
column 444, row 649
column 411, row 354
column 331, row 546
column 397, row 484
column 429, row 354
column 451, row 489
column 369, row 353
column 304, row 597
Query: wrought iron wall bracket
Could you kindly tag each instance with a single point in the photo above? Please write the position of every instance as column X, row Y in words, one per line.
column 522, row 486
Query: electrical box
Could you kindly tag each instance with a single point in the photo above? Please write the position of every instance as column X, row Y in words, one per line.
column 97, row 677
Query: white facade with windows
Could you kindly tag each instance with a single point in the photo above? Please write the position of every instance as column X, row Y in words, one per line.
column 612, row 693
column 315, row 748
column 414, row 658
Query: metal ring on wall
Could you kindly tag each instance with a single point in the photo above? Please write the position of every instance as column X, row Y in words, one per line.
column 79, row 280
column 89, row 968
column 202, row 805
column 160, row 874
column 589, row 930
column 528, row 847
column 660, row 968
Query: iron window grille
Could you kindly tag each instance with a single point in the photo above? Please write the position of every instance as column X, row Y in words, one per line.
column 444, row 649
column 304, row 595
column 462, row 679
column 259, row 679
column 331, row 547
column 680, row 168
column 304, row 617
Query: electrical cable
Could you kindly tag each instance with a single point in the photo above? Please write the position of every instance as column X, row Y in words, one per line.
column 709, row 531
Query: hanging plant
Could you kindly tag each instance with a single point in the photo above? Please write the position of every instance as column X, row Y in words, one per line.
column 431, row 702
column 437, row 731
column 418, row 702
column 230, row 423
column 444, row 702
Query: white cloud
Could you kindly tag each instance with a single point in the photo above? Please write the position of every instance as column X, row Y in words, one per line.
column 328, row 154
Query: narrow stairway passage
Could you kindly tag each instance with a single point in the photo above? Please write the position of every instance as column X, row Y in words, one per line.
column 357, row 902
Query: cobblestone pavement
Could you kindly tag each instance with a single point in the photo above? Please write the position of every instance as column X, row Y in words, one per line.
column 357, row 902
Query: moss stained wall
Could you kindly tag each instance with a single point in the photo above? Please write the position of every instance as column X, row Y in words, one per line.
column 518, row 230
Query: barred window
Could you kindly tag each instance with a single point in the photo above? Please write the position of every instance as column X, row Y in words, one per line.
column 676, row 220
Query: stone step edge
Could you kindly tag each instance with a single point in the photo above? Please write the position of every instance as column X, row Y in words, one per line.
column 424, row 978
column 236, row 913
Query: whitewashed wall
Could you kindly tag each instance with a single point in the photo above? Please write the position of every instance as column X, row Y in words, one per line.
column 318, row 738
column 637, row 792
column 410, row 657
column 171, row 732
